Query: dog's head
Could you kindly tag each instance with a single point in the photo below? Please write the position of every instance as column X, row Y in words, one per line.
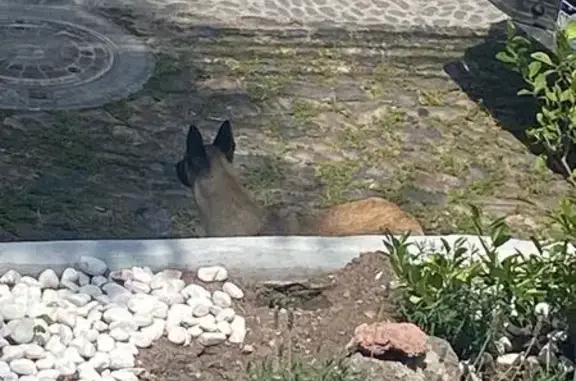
column 201, row 160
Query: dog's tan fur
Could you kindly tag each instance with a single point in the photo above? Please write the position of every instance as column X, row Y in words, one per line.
column 227, row 209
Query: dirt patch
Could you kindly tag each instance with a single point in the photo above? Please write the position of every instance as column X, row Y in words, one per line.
column 325, row 312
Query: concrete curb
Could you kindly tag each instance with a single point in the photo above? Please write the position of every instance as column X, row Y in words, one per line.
column 254, row 257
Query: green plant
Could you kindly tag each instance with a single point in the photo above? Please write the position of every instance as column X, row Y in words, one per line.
column 551, row 80
column 467, row 296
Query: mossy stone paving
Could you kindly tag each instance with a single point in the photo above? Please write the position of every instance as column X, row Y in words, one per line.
column 55, row 58
column 319, row 119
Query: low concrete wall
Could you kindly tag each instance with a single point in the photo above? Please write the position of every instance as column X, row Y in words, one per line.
column 260, row 257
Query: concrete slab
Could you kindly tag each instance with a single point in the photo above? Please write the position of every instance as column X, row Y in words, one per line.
column 255, row 257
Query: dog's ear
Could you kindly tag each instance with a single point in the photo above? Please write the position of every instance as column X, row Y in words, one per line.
column 181, row 173
column 196, row 157
column 224, row 141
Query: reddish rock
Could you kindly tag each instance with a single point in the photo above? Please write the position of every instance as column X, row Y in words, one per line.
column 379, row 338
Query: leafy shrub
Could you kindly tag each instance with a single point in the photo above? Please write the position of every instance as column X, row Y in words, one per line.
column 552, row 80
column 467, row 296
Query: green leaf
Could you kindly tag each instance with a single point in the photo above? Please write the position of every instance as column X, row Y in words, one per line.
column 534, row 68
column 507, row 58
column 567, row 96
column 542, row 57
column 525, row 92
column 540, row 83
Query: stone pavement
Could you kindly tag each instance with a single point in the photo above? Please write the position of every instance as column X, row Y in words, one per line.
column 396, row 14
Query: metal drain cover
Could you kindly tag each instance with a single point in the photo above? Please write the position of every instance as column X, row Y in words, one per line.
column 55, row 57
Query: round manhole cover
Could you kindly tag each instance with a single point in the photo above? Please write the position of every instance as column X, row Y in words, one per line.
column 63, row 57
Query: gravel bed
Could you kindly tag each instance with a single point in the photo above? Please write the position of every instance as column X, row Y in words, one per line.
column 90, row 322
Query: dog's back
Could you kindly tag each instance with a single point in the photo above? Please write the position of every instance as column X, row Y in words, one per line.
column 227, row 209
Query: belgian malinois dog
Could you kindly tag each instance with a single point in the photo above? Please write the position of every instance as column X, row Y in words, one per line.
column 227, row 209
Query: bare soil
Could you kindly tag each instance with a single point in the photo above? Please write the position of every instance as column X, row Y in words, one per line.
column 325, row 311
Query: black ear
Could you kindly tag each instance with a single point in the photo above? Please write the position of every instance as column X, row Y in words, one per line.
column 225, row 141
column 196, row 157
column 181, row 173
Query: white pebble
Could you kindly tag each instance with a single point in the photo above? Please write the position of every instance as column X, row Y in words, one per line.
column 12, row 311
column 92, row 266
column 212, row 274
column 99, row 281
column 143, row 320
column 88, row 308
column 87, row 372
column 47, row 374
column 72, row 355
column 70, row 275
column 120, row 359
column 168, row 296
column 11, row 277
column 142, row 339
column 194, row 291
column 65, row 316
column 234, row 291
column 23, row 332
column 11, row 377
column 66, row 334
column 23, row 367
column 37, row 309
column 48, row 279
column 227, row 314
column 238, row 326
column 83, row 279
column 207, row 323
column 224, row 327
column 79, row 299
column 34, row 352
column 69, row 285
column 50, row 296
column 215, row 310
column 117, row 293
column 142, row 275
column 46, row 363
column 200, row 306
column 211, row 338
column 84, row 346
column 117, row 314
column 13, row 352
column 55, row 346
column 178, row 313
column 4, row 369
column 29, row 281
column 129, row 326
column 100, row 326
column 5, row 290
column 123, row 375
column 142, row 304
column 119, row 334
column 160, row 311
column 137, row 287
column 178, row 335
column 156, row 330
column 195, row 331
column 65, row 367
column 100, row 361
column 105, row 343
column 221, row 299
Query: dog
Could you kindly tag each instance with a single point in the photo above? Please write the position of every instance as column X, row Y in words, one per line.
column 227, row 208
